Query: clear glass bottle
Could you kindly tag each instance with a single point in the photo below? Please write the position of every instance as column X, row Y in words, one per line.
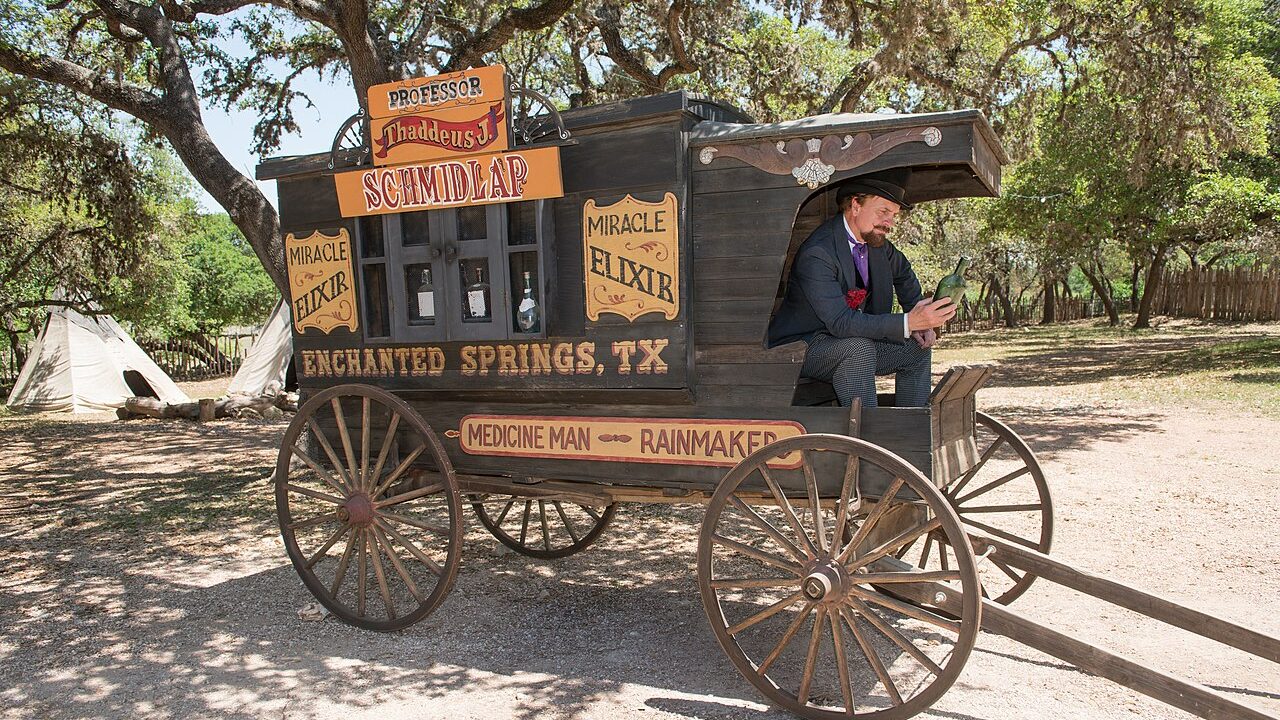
column 952, row 286
column 478, row 304
column 426, row 296
column 528, row 314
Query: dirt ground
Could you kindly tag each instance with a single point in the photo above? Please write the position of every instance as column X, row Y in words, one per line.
column 143, row 575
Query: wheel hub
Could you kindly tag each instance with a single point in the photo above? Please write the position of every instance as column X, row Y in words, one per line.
column 357, row 510
column 825, row 583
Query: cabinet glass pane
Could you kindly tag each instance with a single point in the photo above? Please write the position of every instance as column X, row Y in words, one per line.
column 420, row 294
column 477, row 294
column 376, row 317
column 522, row 223
column 414, row 229
column 526, row 307
column 472, row 224
column 371, row 244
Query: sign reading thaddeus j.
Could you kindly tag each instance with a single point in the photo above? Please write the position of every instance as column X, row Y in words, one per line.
column 631, row 257
column 321, row 286
column 441, row 116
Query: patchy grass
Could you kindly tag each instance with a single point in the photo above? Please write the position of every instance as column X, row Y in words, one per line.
column 1179, row 363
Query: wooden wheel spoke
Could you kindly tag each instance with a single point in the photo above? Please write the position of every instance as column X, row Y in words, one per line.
column 387, row 440
column 973, row 471
column 889, row 578
column 1026, row 507
column 591, row 511
column 312, row 522
column 362, row 579
column 315, row 494
column 397, row 565
column 792, row 629
column 319, row 469
column 343, row 563
column 1013, row 574
column 1003, row 534
column 380, row 572
column 815, row 503
column 568, row 526
column 842, row 663
column 765, row 557
column 524, row 523
column 910, row 611
column 395, row 474
column 411, row 495
column 869, row 651
column 793, row 519
column 407, row 544
column 924, row 555
column 810, row 658
column 768, row 527
column 325, row 547
column 329, row 452
column 752, row 583
column 878, row 512
column 847, row 489
column 896, row 542
column 895, row 636
column 364, row 444
column 414, row 522
column 942, row 556
column 353, row 470
column 994, row 484
column 503, row 515
column 766, row 613
column 542, row 517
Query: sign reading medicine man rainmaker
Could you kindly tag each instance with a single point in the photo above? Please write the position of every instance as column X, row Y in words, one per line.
column 321, row 286
column 631, row 258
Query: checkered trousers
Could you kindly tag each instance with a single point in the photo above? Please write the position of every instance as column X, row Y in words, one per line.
column 852, row 364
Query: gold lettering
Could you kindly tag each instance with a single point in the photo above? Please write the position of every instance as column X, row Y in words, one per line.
column 652, row 360
column 468, row 355
column 586, row 358
column 486, row 356
column 623, row 350
column 309, row 363
column 562, row 358
column 435, row 362
column 339, row 363
column 507, row 360
column 419, row 356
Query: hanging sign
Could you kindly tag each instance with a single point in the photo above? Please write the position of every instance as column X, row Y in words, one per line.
column 478, row 180
column 631, row 258
column 674, row 441
column 441, row 116
column 321, row 286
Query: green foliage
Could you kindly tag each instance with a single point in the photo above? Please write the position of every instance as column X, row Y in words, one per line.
column 227, row 285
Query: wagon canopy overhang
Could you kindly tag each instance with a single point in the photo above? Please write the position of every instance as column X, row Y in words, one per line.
column 952, row 154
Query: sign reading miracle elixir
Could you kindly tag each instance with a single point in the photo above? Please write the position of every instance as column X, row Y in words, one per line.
column 631, row 258
column 321, row 287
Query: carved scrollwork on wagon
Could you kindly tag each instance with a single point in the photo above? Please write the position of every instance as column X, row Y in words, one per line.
column 813, row 161
column 534, row 117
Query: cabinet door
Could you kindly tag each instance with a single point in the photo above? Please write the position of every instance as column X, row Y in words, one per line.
column 418, row 300
column 476, row 284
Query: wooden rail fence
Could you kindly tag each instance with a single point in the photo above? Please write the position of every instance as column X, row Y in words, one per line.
column 1221, row 294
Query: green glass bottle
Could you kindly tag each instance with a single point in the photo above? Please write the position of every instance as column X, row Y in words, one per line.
column 952, row 286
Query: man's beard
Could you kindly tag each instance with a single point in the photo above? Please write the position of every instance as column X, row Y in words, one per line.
column 876, row 237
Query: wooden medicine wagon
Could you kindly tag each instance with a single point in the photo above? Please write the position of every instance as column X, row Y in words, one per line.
column 541, row 315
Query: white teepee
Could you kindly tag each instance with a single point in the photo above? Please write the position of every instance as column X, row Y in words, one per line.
column 79, row 363
column 267, row 363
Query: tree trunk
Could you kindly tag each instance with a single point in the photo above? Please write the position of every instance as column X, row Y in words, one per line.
column 1113, row 317
column 1010, row 319
column 1050, row 302
column 1133, row 286
column 1152, row 284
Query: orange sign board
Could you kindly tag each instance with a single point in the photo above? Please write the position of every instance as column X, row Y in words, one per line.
column 672, row 441
column 441, row 116
column 321, row 285
column 477, row 180
column 475, row 87
column 631, row 257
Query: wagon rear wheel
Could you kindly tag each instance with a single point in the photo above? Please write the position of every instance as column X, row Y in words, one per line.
column 369, row 507
column 800, row 613
column 542, row 528
column 1003, row 494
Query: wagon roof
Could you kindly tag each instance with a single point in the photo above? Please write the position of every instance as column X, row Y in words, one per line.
column 710, row 131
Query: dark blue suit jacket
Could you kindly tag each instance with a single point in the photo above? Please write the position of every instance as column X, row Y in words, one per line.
column 821, row 274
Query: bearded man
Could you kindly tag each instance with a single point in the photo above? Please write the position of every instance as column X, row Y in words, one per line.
column 840, row 294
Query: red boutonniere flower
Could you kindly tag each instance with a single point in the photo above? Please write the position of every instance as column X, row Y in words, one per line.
column 854, row 298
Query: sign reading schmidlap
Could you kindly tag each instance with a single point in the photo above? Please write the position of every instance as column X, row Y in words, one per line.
column 441, row 116
column 321, row 285
column 631, row 258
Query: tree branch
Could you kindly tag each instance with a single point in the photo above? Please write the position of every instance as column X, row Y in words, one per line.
column 473, row 49
column 131, row 99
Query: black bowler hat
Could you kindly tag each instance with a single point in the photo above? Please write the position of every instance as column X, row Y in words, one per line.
column 888, row 184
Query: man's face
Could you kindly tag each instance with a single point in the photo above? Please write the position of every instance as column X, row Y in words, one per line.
column 872, row 219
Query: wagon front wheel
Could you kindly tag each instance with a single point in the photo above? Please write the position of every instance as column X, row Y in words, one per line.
column 790, row 566
column 369, row 507
column 542, row 528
